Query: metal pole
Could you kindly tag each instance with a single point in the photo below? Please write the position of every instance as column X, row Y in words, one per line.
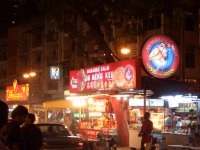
column 144, row 100
column 144, row 95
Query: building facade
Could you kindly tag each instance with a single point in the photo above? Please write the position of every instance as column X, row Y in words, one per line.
column 38, row 45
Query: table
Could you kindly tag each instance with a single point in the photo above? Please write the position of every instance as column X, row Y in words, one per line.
column 179, row 147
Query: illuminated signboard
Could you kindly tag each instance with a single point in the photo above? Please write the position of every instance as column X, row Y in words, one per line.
column 149, row 102
column 54, row 72
column 160, row 56
column 96, row 106
column 119, row 75
column 17, row 92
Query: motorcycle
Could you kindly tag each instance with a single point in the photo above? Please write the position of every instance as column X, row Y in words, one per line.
column 106, row 141
column 155, row 145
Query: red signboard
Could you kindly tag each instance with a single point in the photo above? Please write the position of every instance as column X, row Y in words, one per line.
column 160, row 56
column 17, row 92
column 114, row 76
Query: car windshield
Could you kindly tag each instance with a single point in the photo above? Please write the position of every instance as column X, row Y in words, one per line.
column 54, row 130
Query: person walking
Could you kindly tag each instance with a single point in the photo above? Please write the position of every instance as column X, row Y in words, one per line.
column 13, row 131
column 30, row 130
column 145, row 132
column 3, row 123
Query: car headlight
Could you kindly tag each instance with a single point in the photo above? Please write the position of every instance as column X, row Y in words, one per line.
column 81, row 144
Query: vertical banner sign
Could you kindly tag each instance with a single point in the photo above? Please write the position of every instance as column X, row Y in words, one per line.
column 114, row 76
column 17, row 92
column 54, row 72
column 160, row 56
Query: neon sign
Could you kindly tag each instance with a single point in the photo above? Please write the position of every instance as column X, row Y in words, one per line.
column 54, row 72
column 17, row 92
column 160, row 56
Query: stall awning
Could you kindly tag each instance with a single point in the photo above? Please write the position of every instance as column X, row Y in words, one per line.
column 61, row 103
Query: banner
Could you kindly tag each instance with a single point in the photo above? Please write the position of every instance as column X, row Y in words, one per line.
column 114, row 76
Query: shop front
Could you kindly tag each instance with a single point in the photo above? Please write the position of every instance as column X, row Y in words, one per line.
column 57, row 111
column 183, row 118
column 105, row 90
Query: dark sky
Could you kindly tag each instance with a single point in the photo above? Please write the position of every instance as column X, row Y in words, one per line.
column 4, row 15
column 12, row 13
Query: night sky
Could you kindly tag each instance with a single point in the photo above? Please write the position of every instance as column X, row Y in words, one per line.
column 4, row 15
column 13, row 13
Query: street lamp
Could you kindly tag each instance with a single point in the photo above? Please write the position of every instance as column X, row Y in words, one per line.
column 125, row 51
column 31, row 74
column 27, row 76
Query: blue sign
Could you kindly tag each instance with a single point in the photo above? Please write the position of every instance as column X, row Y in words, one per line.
column 54, row 72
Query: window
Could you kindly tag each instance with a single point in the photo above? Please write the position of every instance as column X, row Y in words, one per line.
column 23, row 63
column 52, row 85
column 36, row 59
column 23, row 44
column 36, row 39
column 189, row 23
column 3, row 71
column 190, row 60
column 3, row 54
column 152, row 23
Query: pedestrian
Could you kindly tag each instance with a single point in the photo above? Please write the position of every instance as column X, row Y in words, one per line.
column 30, row 130
column 145, row 132
column 3, row 123
column 13, row 131
column 168, row 123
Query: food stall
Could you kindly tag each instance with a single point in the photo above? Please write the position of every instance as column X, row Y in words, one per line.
column 103, row 88
column 157, row 109
column 183, row 109
column 57, row 111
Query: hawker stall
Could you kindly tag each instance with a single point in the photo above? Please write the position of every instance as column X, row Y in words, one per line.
column 104, row 89
column 157, row 109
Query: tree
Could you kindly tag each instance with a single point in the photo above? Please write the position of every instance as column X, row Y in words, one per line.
column 103, row 13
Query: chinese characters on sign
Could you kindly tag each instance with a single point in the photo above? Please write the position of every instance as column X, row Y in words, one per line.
column 17, row 92
column 119, row 75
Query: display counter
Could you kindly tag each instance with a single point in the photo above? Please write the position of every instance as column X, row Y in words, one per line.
column 134, row 140
column 174, row 139
column 89, row 133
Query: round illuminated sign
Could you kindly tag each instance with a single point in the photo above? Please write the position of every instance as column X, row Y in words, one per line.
column 160, row 56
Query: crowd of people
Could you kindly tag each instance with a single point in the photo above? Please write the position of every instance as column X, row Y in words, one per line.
column 18, row 133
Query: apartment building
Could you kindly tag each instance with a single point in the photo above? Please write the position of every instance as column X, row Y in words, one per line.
column 38, row 45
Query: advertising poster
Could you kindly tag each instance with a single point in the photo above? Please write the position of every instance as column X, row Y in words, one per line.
column 160, row 56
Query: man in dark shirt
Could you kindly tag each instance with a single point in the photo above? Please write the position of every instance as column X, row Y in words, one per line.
column 13, row 133
column 30, row 130
column 145, row 132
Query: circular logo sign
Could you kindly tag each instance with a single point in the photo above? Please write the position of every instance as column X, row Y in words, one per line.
column 160, row 56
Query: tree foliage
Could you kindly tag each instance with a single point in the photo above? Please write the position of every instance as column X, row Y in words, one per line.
column 97, row 13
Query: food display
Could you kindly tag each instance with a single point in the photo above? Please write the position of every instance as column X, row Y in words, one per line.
column 158, row 121
column 118, row 77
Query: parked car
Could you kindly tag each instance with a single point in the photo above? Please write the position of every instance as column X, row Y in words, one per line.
column 58, row 137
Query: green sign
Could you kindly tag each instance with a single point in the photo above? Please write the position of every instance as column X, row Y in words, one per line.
column 76, row 115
